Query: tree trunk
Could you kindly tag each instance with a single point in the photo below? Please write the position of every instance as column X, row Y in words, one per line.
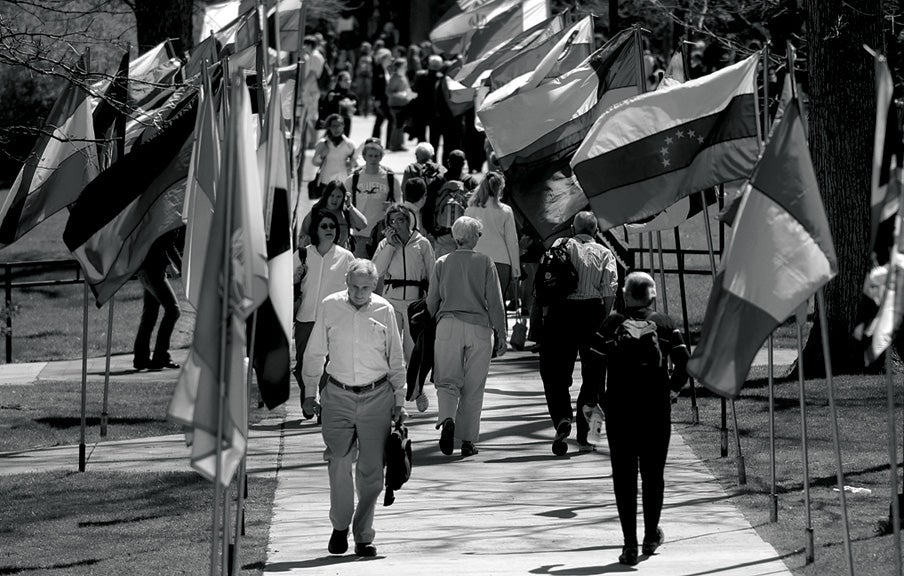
column 158, row 20
column 841, row 119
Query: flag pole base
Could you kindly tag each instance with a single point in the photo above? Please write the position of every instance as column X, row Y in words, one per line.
column 742, row 471
column 103, row 424
column 81, row 457
column 809, row 554
column 773, row 512
column 230, row 564
column 723, row 450
column 695, row 415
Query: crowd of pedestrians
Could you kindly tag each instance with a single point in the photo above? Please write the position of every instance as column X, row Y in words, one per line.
column 380, row 251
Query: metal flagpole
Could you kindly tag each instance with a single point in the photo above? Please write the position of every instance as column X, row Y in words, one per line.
column 808, row 529
column 892, row 444
column 665, row 292
column 103, row 414
column 695, row 412
column 770, row 363
column 824, row 329
column 81, row 441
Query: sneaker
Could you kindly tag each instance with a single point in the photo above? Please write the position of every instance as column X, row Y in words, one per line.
column 560, row 444
column 650, row 545
column 447, row 437
column 586, row 447
column 628, row 556
column 141, row 363
column 422, row 402
column 368, row 550
column 468, row 449
column 338, row 542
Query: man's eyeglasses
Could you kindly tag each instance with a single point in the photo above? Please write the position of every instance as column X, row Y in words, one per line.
column 327, row 226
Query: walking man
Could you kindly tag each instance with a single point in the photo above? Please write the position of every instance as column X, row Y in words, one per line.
column 365, row 392
column 568, row 328
column 639, row 390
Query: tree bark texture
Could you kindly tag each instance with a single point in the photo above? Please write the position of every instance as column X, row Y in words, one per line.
column 841, row 120
column 158, row 20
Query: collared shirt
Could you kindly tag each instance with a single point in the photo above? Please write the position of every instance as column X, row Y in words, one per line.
column 595, row 265
column 363, row 345
column 325, row 275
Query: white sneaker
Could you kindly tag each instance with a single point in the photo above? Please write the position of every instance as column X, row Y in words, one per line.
column 422, row 402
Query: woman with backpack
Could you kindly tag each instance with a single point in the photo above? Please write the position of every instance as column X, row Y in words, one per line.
column 500, row 237
column 336, row 200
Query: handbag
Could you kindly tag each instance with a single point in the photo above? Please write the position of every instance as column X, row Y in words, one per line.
column 519, row 330
column 315, row 191
column 397, row 458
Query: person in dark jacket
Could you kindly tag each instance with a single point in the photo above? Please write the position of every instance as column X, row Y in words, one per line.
column 637, row 400
column 158, row 293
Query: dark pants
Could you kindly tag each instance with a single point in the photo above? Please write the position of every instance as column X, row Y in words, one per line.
column 158, row 293
column 638, row 440
column 567, row 331
column 381, row 113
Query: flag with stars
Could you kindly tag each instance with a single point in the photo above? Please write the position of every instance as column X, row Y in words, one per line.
column 648, row 152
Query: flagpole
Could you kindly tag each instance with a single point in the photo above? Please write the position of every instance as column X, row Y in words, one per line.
column 839, row 471
column 103, row 414
column 81, row 441
column 679, row 254
column 665, row 292
column 808, row 529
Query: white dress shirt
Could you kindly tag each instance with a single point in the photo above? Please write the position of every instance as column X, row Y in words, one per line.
column 326, row 274
column 363, row 345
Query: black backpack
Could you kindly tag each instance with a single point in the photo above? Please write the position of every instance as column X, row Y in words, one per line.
column 637, row 345
column 556, row 276
column 397, row 457
column 390, row 176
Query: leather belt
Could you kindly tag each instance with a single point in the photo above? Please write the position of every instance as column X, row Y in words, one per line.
column 359, row 389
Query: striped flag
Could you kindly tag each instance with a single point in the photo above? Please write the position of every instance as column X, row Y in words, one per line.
column 645, row 154
column 196, row 397
column 452, row 33
column 549, row 122
column 62, row 162
column 271, row 357
column 200, row 193
column 128, row 206
column 780, row 254
column 883, row 305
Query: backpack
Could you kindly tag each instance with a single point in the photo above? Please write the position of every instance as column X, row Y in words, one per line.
column 637, row 344
column 397, row 457
column 450, row 204
column 556, row 276
column 356, row 177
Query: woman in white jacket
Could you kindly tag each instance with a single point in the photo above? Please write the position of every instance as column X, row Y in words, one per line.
column 499, row 240
column 405, row 260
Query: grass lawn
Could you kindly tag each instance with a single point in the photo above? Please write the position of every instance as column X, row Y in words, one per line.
column 140, row 524
column 863, row 428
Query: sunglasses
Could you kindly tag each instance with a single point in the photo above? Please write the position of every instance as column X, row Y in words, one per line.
column 327, row 226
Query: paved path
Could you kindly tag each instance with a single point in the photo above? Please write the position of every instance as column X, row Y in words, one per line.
column 512, row 509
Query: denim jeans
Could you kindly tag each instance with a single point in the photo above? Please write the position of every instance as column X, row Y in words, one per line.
column 158, row 293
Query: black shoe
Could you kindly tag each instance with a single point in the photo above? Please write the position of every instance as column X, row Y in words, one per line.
column 651, row 544
column 365, row 550
column 447, row 437
column 141, row 363
column 468, row 449
column 628, row 556
column 339, row 542
column 162, row 365
column 560, row 443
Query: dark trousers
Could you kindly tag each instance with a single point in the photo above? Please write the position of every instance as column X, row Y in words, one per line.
column 381, row 113
column 567, row 331
column 158, row 293
column 638, row 441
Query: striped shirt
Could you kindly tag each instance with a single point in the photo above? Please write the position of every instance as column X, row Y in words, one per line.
column 595, row 265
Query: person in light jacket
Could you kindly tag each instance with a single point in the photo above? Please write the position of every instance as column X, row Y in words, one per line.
column 500, row 238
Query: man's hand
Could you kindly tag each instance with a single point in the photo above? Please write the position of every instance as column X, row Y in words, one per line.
column 309, row 407
column 500, row 347
column 399, row 414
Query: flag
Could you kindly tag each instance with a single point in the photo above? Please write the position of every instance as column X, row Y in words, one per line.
column 128, row 206
column 556, row 55
column 521, row 46
column 675, row 215
column 542, row 125
column 195, row 401
column 780, row 253
column 485, row 39
column 207, row 51
column 289, row 17
column 882, row 306
column 200, row 192
column 645, row 154
column 271, row 357
column 62, row 162
column 455, row 28
column 109, row 119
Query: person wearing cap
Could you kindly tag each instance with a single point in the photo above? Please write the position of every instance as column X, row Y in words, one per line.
column 637, row 400
column 365, row 392
column 466, row 301
column 568, row 328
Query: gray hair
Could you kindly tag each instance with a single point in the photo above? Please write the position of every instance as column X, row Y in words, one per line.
column 585, row 223
column 640, row 287
column 424, row 148
column 465, row 228
column 363, row 266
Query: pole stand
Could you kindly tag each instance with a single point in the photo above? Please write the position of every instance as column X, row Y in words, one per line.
column 809, row 555
column 742, row 471
column 81, row 457
column 103, row 424
column 773, row 512
column 695, row 415
column 723, row 452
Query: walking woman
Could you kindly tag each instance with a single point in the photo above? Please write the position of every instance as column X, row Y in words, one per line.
column 337, row 201
column 466, row 301
column 321, row 272
column 500, row 238
column 335, row 154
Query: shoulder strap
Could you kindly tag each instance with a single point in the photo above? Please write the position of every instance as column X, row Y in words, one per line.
column 356, row 176
column 390, row 177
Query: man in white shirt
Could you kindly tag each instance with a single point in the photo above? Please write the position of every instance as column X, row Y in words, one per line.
column 357, row 330
column 373, row 189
